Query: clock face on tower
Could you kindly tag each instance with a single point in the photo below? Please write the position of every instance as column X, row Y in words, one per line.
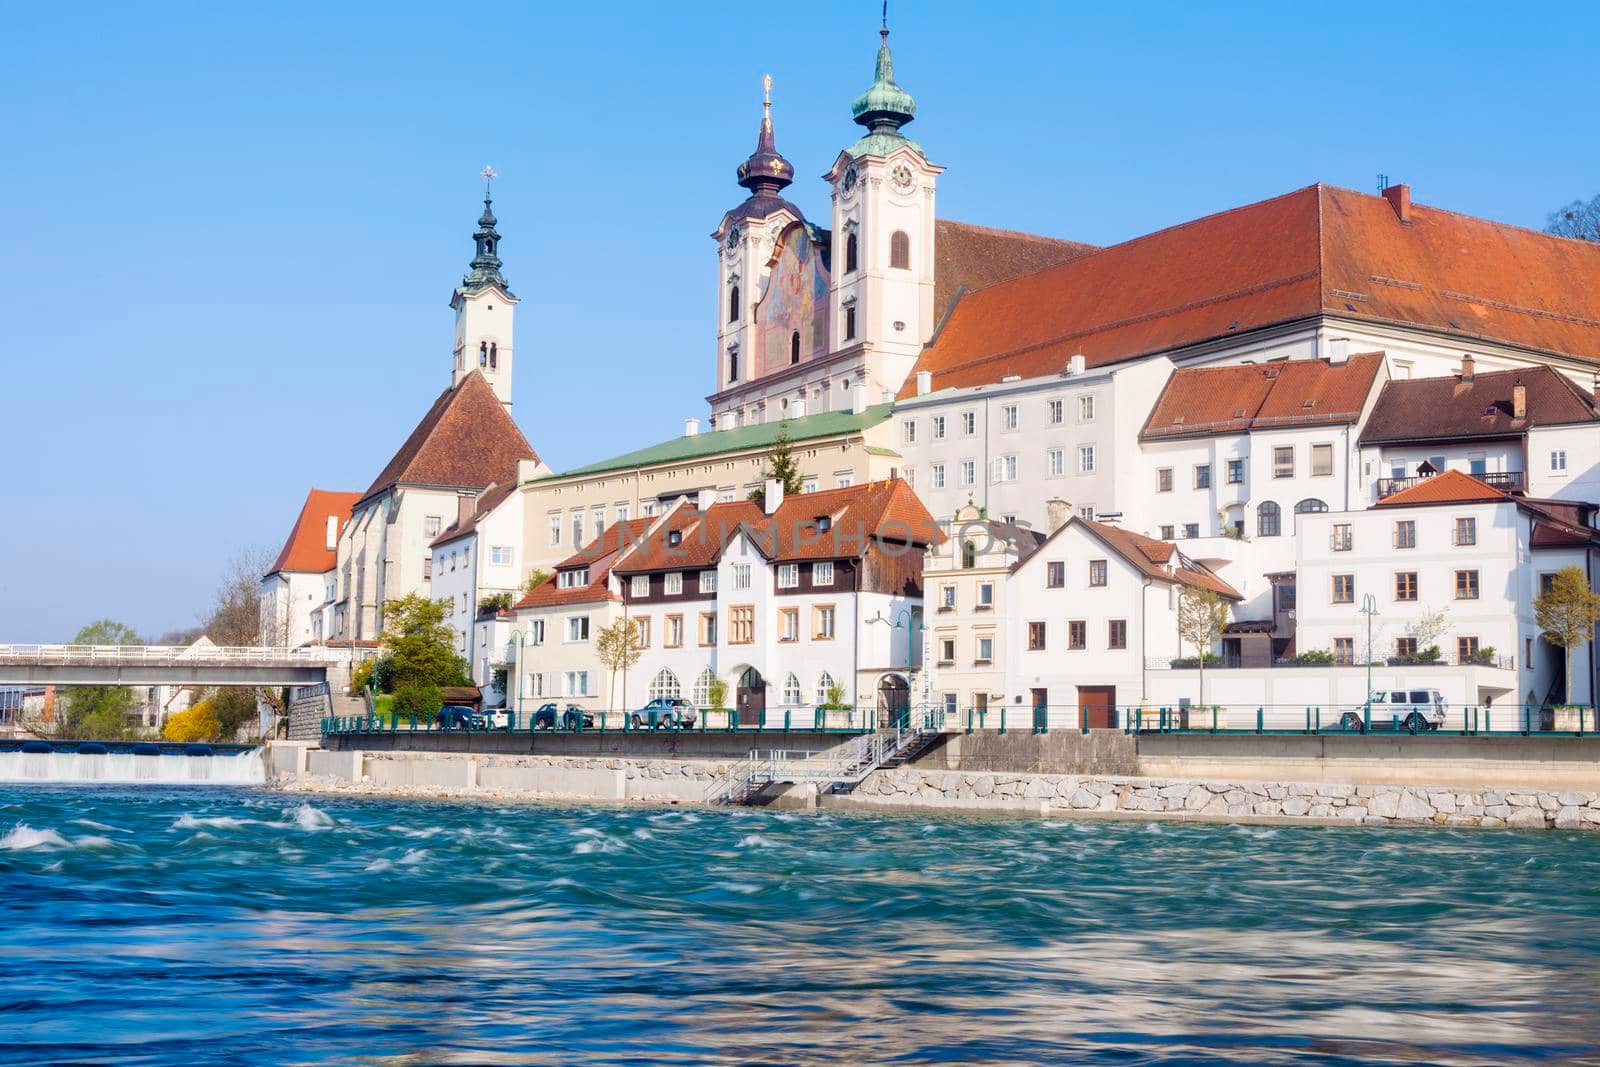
column 850, row 179
column 902, row 179
column 733, row 238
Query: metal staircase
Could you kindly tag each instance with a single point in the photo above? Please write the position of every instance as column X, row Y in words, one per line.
column 837, row 770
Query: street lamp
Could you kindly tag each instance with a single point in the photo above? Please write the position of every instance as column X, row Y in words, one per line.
column 1369, row 608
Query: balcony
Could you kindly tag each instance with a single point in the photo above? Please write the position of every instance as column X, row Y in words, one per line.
column 1505, row 481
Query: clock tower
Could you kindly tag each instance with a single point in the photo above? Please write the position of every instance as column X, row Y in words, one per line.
column 485, row 309
column 882, row 297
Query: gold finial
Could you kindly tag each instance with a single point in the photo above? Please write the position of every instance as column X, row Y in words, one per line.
column 766, row 101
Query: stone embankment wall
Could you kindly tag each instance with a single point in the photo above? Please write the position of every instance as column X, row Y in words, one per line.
column 1313, row 802
column 493, row 776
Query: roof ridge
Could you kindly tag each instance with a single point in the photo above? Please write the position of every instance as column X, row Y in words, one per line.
column 1003, row 232
column 1464, row 215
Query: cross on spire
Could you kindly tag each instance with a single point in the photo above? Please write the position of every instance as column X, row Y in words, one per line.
column 488, row 175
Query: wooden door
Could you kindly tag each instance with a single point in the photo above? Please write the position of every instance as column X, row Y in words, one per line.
column 751, row 698
column 1097, row 704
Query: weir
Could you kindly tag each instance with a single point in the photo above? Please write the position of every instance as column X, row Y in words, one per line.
column 108, row 763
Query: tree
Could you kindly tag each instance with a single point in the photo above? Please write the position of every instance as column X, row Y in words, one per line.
column 617, row 646
column 198, row 723
column 1578, row 219
column 421, row 644
column 235, row 620
column 781, row 466
column 1202, row 614
column 1566, row 611
column 1427, row 628
column 536, row 577
column 99, row 710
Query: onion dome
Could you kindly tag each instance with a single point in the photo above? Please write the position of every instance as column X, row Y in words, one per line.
column 766, row 172
column 486, row 260
column 884, row 107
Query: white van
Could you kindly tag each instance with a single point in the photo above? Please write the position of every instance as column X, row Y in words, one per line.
column 1412, row 710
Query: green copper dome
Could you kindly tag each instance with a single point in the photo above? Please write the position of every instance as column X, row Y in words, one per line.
column 883, row 109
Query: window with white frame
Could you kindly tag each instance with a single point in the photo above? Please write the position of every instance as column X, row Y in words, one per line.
column 809, row 485
column 672, row 585
column 431, row 525
column 500, row 555
column 1086, row 512
column 1558, row 460
column 555, row 527
column 702, row 687
column 640, row 586
column 844, row 479
column 910, row 431
column 947, row 596
column 985, row 650
column 938, row 427
column 936, row 476
column 536, row 632
column 791, row 689
column 1086, row 459
column 969, row 423
column 535, row 685
column 708, row 581
column 1055, row 413
column 741, row 576
column 1055, row 461
column 985, row 595
column 822, row 573
column 597, row 520
column 1003, row 469
column 824, row 687
column 665, row 684
column 1321, row 461
column 577, row 683
column 1086, row 409
column 788, row 575
column 822, row 622
column 578, row 628
column 910, row 476
column 1010, row 418
column 577, row 529
column 969, row 472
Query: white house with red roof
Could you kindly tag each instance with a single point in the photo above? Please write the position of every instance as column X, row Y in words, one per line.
column 297, row 591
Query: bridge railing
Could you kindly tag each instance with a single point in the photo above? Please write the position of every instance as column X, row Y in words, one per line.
column 163, row 655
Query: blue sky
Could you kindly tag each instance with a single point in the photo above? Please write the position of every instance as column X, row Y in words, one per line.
column 228, row 237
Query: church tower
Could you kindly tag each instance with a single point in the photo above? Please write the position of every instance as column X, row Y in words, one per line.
column 882, row 298
column 485, row 309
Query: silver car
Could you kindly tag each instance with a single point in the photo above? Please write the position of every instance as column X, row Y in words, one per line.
column 1412, row 710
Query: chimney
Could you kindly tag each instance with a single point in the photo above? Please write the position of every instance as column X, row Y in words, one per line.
column 527, row 470
column 466, row 506
column 1338, row 351
column 1519, row 400
column 1056, row 511
column 1076, row 364
column 858, row 398
column 1399, row 197
column 705, row 499
column 1468, row 366
column 797, row 408
column 773, row 498
column 691, row 427
column 924, row 382
column 332, row 540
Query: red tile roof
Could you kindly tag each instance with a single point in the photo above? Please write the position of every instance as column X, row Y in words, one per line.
column 467, row 440
column 306, row 550
column 1157, row 559
column 1318, row 250
column 491, row 498
column 1450, row 487
column 598, row 556
column 856, row 516
column 972, row 257
column 1450, row 409
column 1232, row 399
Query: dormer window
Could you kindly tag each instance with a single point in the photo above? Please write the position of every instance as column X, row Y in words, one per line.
column 674, row 538
column 824, row 523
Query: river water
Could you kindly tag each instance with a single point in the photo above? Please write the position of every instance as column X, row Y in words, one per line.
column 163, row 925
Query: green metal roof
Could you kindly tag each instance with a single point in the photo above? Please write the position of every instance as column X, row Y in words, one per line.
column 738, row 439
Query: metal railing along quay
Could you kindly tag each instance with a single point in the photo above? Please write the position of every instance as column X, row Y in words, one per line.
column 1470, row 720
column 717, row 721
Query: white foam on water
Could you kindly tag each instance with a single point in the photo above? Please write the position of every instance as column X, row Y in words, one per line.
column 588, row 831
column 22, row 838
column 756, row 841
column 739, row 887
column 425, row 832
column 598, row 844
column 94, row 841
column 380, row 865
column 644, row 835
column 220, row 822
column 309, row 818
column 91, row 824
column 413, row 857
column 561, row 882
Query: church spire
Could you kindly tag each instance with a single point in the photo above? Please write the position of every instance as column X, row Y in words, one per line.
column 485, row 261
column 884, row 107
column 766, row 172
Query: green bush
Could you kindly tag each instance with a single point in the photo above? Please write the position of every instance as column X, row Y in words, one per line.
column 423, row 701
column 494, row 603
column 1317, row 656
column 1191, row 662
column 382, row 675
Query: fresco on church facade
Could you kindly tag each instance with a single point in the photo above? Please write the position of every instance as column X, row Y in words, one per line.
column 796, row 300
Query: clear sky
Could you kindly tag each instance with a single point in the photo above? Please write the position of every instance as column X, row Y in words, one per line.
column 228, row 234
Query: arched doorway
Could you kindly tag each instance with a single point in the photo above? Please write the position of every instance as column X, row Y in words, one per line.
column 894, row 700
column 751, row 697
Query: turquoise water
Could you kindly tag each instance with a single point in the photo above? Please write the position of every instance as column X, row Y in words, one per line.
column 177, row 926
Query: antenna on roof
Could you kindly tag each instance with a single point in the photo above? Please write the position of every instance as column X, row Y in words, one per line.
column 1383, row 183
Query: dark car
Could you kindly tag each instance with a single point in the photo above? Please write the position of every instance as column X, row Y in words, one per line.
column 457, row 717
column 546, row 717
column 665, row 713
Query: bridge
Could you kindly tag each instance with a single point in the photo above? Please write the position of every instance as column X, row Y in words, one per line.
column 202, row 663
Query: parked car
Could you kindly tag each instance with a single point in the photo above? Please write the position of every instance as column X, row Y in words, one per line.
column 459, row 717
column 547, row 715
column 1412, row 710
column 665, row 713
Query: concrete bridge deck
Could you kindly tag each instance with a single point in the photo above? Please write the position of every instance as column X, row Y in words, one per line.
column 205, row 664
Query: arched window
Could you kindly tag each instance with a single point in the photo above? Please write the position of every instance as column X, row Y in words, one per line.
column 483, row 353
column 850, row 252
column 665, row 684
column 702, row 688
column 733, row 303
column 1309, row 506
column 824, row 684
column 900, row 250
column 791, row 690
column 733, row 364
column 1267, row 519
column 849, row 322
column 494, row 356
column 794, row 347
column 969, row 555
